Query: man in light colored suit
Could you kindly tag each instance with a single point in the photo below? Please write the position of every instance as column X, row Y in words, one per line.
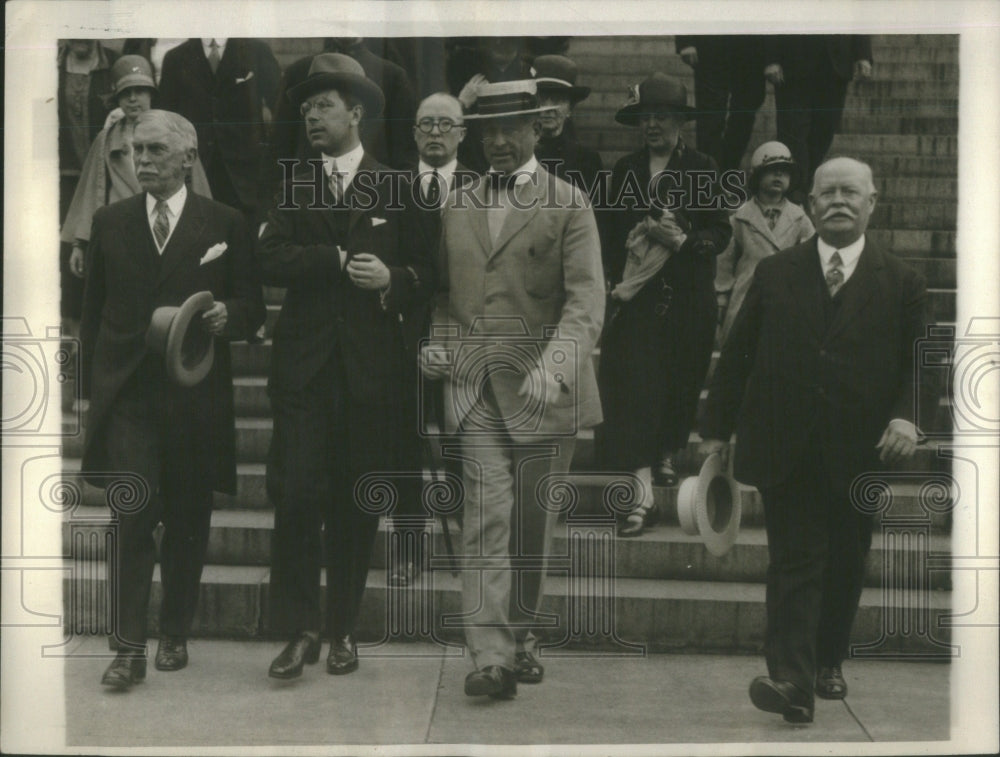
column 518, row 313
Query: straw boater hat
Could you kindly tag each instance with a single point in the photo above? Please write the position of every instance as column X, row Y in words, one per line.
column 507, row 98
column 708, row 505
column 656, row 94
column 188, row 349
column 770, row 155
column 132, row 71
column 339, row 72
column 556, row 74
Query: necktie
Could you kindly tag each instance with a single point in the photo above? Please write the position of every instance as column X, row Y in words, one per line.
column 432, row 192
column 336, row 183
column 213, row 55
column 161, row 226
column 771, row 214
column 835, row 276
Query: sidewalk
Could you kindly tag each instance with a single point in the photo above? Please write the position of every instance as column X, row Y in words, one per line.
column 224, row 698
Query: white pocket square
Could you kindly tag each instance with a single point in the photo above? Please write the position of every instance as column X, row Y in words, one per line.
column 377, row 221
column 212, row 253
column 248, row 77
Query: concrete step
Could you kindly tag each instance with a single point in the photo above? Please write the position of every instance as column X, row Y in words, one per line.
column 244, row 537
column 895, row 189
column 664, row 615
column 915, row 243
column 915, row 71
column 898, row 121
column 931, row 41
column 939, row 216
column 884, row 144
column 926, row 54
column 863, row 101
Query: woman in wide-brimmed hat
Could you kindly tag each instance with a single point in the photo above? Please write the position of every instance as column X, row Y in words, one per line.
column 657, row 342
column 557, row 148
column 108, row 173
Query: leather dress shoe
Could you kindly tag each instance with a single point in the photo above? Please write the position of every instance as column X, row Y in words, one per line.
column 303, row 650
column 493, row 680
column 343, row 657
column 405, row 574
column 527, row 668
column 126, row 669
column 171, row 653
column 783, row 698
column 830, row 683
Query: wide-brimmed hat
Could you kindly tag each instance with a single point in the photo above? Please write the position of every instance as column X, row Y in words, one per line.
column 708, row 505
column 556, row 74
column 655, row 94
column 132, row 71
column 507, row 98
column 188, row 349
column 770, row 155
column 340, row 72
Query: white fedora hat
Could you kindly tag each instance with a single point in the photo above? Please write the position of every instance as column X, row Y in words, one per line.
column 187, row 352
column 708, row 505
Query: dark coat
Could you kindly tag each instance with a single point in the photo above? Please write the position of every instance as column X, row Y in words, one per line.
column 99, row 104
column 127, row 279
column 563, row 155
column 784, row 375
column 803, row 56
column 226, row 108
column 656, row 347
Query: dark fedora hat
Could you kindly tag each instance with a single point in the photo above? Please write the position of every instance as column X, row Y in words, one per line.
column 556, row 74
column 655, row 94
column 188, row 350
column 340, row 72
column 507, row 98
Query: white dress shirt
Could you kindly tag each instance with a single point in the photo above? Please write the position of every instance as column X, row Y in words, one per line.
column 220, row 42
column 498, row 207
column 347, row 165
column 849, row 255
column 175, row 204
column 426, row 174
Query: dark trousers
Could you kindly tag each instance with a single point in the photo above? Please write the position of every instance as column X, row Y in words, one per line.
column 310, row 480
column 818, row 544
column 729, row 89
column 145, row 438
column 808, row 115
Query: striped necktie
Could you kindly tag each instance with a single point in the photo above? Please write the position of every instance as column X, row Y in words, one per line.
column 432, row 192
column 835, row 275
column 161, row 226
column 213, row 56
column 336, row 183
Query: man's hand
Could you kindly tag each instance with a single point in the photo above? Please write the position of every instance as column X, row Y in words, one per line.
column 539, row 382
column 214, row 319
column 470, row 92
column 434, row 362
column 690, row 55
column 862, row 70
column 711, row 446
column 774, row 74
column 368, row 272
column 76, row 262
column 898, row 442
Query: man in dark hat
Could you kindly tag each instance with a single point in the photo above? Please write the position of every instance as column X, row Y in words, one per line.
column 656, row 349
column 357, row 276
column 557, row 148
column 520, row 262
column 177, row 443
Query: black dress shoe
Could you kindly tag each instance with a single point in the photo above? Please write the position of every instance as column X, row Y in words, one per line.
column 493, row 680
column 405, row 574
column 527, row 668
column 303, row 650
column 830, row 683
column 126, row 669
column 783, row 698
column 343, row 657
column 171, row 653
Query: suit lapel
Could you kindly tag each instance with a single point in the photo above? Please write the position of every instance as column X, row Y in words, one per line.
column 186, row 233
column 806, row 286
column 480, row 224
column 355, row 210
column 139, row 230
column 859, row 289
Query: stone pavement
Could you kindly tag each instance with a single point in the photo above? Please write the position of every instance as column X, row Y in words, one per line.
column 412, row 694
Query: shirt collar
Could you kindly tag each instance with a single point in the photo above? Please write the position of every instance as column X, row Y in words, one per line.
column 206, row 44
column 445, row 171
column 524, row 173
column 780, row 205
column 849, row 254
column 175, row 203
column 347, row 164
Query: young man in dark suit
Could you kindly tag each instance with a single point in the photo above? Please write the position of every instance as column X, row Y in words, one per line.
column 817, row 378
column 157, row 249
column 355, row 265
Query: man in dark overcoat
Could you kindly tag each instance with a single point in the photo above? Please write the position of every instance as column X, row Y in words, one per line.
column 354, row 262
column 157, row 249
column 818, row 380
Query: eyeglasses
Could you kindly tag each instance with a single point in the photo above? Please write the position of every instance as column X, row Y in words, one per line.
column 426, row 125
column 322, row 105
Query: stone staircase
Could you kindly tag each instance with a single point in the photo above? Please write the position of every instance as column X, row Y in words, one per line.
column 663, row 590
